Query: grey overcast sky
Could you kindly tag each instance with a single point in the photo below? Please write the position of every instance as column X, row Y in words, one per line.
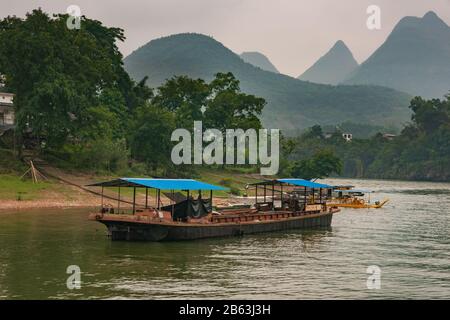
column 292, row 33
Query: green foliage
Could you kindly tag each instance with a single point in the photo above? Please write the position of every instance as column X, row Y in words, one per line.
column 183, row 96
column 420, row 152
column 321, row 165
column 360, row 130
column 223, row 103
column 150, row 136
column 315, row 132
column 9, row 164
column 72, row 92
column 57, row 74
column 99, row 155
column 65, row 79
column 228, row 108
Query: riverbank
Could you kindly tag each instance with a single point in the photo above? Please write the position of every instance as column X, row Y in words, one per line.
column 63, row 189
column 16, row 193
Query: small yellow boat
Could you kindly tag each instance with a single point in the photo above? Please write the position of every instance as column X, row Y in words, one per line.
column 347, row 197
column 357, row 203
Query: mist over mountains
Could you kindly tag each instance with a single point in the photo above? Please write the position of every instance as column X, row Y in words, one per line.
column 334, row 67
column 291, row 103
column 258, row 60
column 415, row 58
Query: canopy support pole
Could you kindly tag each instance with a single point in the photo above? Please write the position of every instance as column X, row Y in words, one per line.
column 305, row 198
column 118, row 201
column 264, row 193
column 134, row 200
column 159, row 199
column 146, row 198
column 273, row 195
column 281, row 185
column 173, row 204
column 211, row 197
column 102, row 196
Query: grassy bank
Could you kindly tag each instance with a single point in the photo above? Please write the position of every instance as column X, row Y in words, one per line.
column 17, row 192
column 14, row 188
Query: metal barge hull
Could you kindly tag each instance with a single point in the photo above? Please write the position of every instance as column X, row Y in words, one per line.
column 145, row 231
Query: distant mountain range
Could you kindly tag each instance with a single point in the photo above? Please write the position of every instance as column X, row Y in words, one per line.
column 415, row 58
column 334, row 67
column 292, row 104
column 258, row 60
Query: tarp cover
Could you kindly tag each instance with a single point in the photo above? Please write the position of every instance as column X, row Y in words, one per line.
column 189, row 208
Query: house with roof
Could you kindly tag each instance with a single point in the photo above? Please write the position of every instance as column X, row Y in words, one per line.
column 7, row 118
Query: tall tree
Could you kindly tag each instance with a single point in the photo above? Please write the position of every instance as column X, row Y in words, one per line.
column 321, row 165
column 229, row 108
column 62, row 76
column 185, row 97
column 150, row 138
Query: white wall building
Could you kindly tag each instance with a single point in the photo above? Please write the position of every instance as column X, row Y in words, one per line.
column 6, row 109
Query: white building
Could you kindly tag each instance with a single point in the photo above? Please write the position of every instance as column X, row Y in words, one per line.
column 6, row 109
column 347, row 137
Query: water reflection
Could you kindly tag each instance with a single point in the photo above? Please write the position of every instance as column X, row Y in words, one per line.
column 408, row 239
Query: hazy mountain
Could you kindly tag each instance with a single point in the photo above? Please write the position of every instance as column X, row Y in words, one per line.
column 258, row 60
column 291, row 103
column 334, row 67
column 415, row 58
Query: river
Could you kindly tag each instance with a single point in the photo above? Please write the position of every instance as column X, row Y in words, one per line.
column 408, row 240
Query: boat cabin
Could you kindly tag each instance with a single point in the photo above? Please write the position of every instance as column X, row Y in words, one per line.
column 295, row 195
column 348, row 192
column 182, row 205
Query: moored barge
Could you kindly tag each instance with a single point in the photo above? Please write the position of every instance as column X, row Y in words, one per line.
column 187, row 218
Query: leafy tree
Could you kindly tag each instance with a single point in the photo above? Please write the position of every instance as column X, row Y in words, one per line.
column 185, row 97
column 315, row 132
column 229, row 108
column 420, row 152
column 150, row 138
column 321, row 165
column 62, row 77
column 429, row 114
column 224, row 105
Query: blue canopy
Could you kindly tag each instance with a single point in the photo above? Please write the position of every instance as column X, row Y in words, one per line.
column 305, row 183
column 162, row 184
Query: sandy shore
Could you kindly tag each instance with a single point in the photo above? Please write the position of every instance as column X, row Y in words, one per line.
column 65, row 195
column 80, row 199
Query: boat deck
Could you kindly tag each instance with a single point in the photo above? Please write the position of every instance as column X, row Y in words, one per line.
column 152, row 216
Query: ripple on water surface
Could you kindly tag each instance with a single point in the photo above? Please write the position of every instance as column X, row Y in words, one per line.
column 408, row 239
